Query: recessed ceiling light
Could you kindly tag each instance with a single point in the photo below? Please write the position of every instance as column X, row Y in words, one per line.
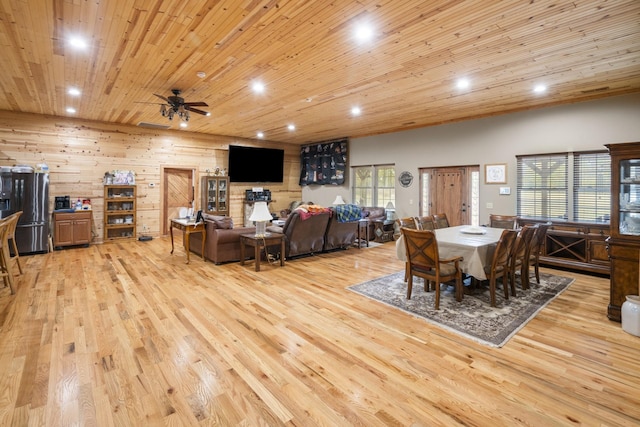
column 462, row 83
column 208, row 114
column 260, row 135
column 540, row 88
column 258, row 87
column 78, row 43
column 363, row 32
column 201, row 74
column 73, row 91
column 71, row 110
column 291, row 127
column 356, row 111
column 183, row 124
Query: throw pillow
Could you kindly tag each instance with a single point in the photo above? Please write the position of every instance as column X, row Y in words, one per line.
column 224, row 223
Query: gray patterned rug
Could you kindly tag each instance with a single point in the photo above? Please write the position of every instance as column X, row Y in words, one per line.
column 474, row 317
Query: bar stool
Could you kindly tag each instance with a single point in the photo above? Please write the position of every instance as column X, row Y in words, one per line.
column 5, row 261
column 11, row 235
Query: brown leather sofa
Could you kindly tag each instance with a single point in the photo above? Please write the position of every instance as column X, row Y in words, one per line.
column 340, row 235
column 303, row 237
column 222, row 244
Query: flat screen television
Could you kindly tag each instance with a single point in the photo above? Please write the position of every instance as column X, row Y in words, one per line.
column 251, row 164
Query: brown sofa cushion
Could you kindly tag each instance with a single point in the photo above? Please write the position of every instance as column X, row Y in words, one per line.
column 222, row 222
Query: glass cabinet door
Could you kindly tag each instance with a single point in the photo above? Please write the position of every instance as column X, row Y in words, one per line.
column 212, row 187
column 630, row 197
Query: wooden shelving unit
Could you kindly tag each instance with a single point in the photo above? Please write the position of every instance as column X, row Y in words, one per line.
column 119, row 212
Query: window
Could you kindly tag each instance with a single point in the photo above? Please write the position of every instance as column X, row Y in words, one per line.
column 592, row 186
column 374, row 185
column 545, row 191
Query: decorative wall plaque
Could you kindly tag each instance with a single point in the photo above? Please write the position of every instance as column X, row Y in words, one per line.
column 405, row 179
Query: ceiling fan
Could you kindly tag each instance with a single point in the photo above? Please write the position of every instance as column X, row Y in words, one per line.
column 176, row 105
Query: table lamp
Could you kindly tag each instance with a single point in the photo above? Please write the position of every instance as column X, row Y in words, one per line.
column 390, row 210
column 260, row 215
column 338, row 201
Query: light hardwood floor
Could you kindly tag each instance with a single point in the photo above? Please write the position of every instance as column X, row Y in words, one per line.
column 126, row 334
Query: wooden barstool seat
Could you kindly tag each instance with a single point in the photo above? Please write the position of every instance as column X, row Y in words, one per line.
column 5, row 256
column 11, row 235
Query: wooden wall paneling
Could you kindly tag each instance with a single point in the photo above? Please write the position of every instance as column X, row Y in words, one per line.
column 79, row 152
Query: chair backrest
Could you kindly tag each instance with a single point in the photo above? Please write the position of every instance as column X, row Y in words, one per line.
column 502, row 254
column 521, row 246
column 537, row 241
column 440, row 220
column 421, row 248
column 13, row 223
column 425, row 222
column 508, row 222
column 407, row 222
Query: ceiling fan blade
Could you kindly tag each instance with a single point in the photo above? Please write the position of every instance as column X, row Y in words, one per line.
column 196, row 104
column 162, row 97
column 194, row 110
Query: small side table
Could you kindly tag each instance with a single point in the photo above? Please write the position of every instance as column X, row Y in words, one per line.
column 187, row 228
column 271, row 239
column 383, row 231
column 363, row 232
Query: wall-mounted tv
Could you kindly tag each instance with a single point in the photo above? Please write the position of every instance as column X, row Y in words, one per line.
column 252, row 164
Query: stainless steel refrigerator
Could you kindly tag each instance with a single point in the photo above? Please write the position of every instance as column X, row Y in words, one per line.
column 29, row 194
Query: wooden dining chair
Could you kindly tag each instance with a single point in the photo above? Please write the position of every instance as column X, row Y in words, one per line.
column 5, row 261
column 425, row 222
column 424, row 261
column 11, row 236
column 440, row 220
column 519, row 257
column 535, row 247
column 407, row 222
column 500, row 266
column 508, row 222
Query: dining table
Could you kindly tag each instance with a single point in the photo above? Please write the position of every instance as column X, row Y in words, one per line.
column 474, row 244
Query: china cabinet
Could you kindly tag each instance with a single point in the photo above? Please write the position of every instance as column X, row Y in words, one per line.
column 119, row 212
column 624, row 243
column 215, row 192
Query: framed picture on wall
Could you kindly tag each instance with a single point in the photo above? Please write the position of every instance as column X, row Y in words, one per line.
column 495, row 174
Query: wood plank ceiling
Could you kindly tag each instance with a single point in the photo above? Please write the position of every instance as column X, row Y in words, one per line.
column 313, row 67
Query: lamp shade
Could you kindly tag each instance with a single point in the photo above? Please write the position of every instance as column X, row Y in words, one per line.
column 390, row 206
column 338, row 201
column 260, row 212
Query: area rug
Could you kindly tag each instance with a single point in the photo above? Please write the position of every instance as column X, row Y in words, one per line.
column 474, row 317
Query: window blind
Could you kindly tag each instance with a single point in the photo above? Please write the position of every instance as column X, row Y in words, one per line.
column 592, row 186
column 543, row 186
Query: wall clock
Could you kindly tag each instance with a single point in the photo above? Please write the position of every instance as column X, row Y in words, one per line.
column 405, row 179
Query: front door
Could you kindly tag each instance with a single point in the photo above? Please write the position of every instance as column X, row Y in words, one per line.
column 448, row 193
column 178, row 193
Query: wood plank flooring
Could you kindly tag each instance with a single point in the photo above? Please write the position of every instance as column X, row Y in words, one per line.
column 125, row 334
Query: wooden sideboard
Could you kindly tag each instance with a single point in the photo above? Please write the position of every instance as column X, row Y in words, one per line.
column 574, row 245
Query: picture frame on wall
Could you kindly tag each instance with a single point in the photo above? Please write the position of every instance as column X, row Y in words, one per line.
column 495, row 173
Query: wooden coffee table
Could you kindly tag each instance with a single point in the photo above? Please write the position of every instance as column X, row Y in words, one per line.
column 271, row 239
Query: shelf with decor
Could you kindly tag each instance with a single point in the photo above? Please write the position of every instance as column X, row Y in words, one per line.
column 624, row 243
column 119, row 212
column 215, row 195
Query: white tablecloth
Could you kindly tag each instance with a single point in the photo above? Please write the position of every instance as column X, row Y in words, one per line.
column 476, row 249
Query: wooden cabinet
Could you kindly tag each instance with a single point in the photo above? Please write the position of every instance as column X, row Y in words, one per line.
column 71, row 228
column 575, row 245
column 215, row 195
column 624, row 243
column 119, row 212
